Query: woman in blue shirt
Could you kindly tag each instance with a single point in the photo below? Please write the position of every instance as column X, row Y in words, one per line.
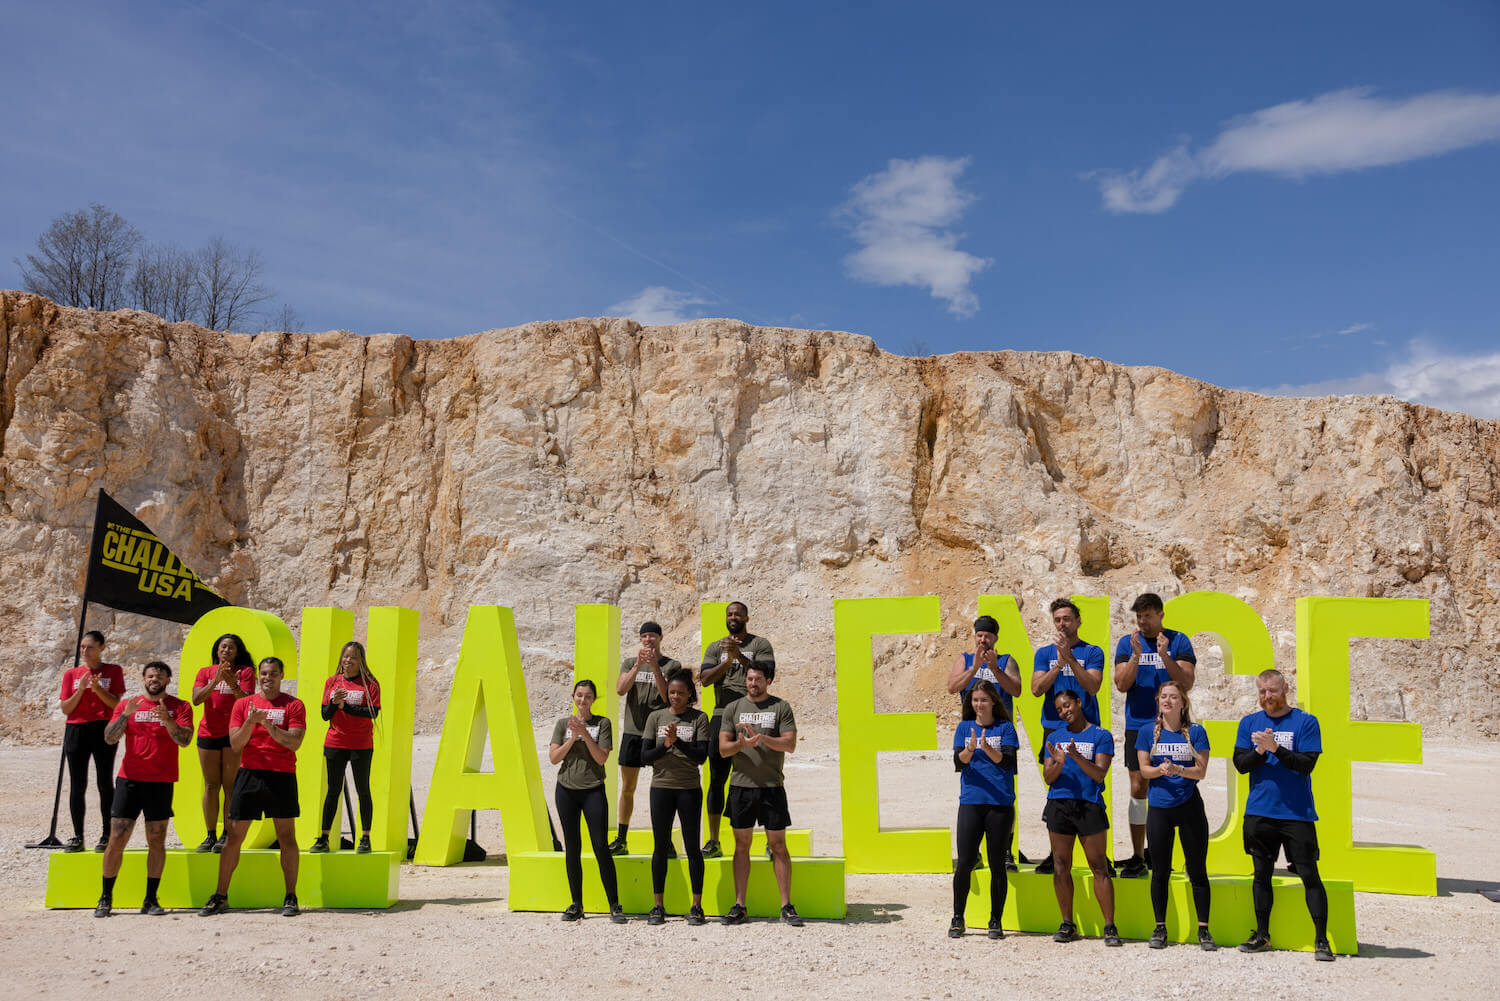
column 1077, row 759
column 984, row 755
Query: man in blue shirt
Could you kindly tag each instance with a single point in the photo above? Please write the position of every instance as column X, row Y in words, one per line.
column 1278, row 748
column 1144, row 661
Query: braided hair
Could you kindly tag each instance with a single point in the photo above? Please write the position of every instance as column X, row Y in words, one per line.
column 1187, row 714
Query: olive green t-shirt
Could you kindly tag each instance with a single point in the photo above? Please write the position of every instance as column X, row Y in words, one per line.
column 757, row 649
column 644, row 698
column 675, row 770
column 579, row 770
column 759, row 767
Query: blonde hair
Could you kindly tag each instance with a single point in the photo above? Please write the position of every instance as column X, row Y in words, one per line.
column 1187, row 713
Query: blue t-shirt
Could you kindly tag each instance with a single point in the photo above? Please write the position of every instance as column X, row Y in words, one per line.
column 1171, row 790
column 985, row 674
column 1275, row 790
column 1140, row 700
column 1072, row 783
column 1092, row 658
column 982, row 780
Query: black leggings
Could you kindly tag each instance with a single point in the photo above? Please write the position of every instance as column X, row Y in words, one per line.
column 590, row 805
column 1312, row 886
column 82, row 741
column 687, row 805
column 718, row 772
column 993, row 824
column 1165, row 824
column 359, row 760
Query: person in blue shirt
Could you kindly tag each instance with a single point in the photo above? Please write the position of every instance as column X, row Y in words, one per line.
column 984, row 755
column 985, row 664
column 1066, row 665
column 1076, row 760
column 1278, row 748
column 1173, row 757
column 1144, row 660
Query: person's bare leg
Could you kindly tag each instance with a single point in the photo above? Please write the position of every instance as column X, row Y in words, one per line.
column 741, row 862
column 156, row 848
column 781, row 864
column 212, row 765
column 1062, row 872
column 235, row 831
column 286, row 836
column 1096, row 851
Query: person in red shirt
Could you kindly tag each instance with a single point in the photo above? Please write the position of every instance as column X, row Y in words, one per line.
column 351, row 701
column 266, row 728
column 154, row 726
column 216, row 688
column 89, row 694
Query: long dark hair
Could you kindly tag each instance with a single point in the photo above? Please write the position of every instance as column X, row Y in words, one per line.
column 985, row 685
column 242, row 656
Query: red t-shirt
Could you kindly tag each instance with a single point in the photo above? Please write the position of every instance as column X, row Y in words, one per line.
column 90, row 708
column 263, row 752
column 220, row 702
column 344, row 729
column 150, row 751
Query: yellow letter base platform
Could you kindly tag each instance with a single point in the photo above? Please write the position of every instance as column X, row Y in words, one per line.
column 538, row 882
column 1031, row 905
column 798, row 842
column 338, row 879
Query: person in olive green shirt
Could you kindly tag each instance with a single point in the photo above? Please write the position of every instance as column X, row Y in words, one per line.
column 758, row 732
column 724, row 665
column 580, row 746
column 676, row 745
column 643, row 682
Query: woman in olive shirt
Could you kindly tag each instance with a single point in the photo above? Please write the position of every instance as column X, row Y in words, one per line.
column 674, row 742
column 580, row 746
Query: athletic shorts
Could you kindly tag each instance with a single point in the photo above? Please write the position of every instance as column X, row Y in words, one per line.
column 1266, row 836
column 1075, row 816
column 259, row 792
column 213, row 743
column 133, row 798
column 1132, row 759
column 87, row 736
column 630, row 750
column 766, row 807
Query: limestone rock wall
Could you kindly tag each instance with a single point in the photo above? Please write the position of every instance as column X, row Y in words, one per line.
column 596, row 460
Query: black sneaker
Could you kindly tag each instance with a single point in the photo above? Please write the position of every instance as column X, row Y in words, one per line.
column 1112, row 936
column 320, row 846
column 1158, row 937
column 1206, row 939
column 711, row 849
column 695, row 916
column 658, row 915
column 573, row 913
column 789, row 916
column 1066, row 932
column 152, row 908
column 956, row 926
column 1257, row 942
column 74, row 844
column 618, row 847
column 1010, row 863
column 364, row 845
column 207, row 844
column 217, row 904
column 219, row 845
column 289, row 908
column 617, row 914
column 1322, row 951
column 102, row 843
column 1021, row 857
column 734, row 916
column 995, row 931
column 1133, row 868
column 1045, row 866
column 105, row 905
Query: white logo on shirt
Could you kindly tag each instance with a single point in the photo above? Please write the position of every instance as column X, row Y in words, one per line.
column 1087, row 750
column 646, row 678
column 1152, row 659
column 223, row 688
column 1067, row 669
column 276, row 717
column 1284, row 738
column 994, row 740
column 593, row 732
column 145, row 716
column 1177, row 751
column 765, row 719
column 354, row 697
column 102, row 681
column 684, row 732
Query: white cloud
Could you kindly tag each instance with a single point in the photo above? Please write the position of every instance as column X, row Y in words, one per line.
column 1466, row 383
column 898, row 217
column 658, row 305
column 1339, row 131
column 1357, row 328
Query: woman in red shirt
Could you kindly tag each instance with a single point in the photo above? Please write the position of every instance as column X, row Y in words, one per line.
column 216, row 687
column 89, row 694
column 351, row 701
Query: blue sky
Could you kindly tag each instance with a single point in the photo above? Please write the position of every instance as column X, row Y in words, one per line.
column 1275, row 196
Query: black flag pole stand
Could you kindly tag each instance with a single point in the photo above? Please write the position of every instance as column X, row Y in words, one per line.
column 50, row 841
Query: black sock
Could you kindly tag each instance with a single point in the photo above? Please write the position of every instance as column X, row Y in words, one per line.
column 152, row 882
column 624, row 829
column 109, row 886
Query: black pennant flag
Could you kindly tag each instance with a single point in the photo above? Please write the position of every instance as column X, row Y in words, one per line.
column 132, row 570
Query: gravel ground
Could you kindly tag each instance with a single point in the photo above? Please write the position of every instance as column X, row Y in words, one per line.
column 452, row 936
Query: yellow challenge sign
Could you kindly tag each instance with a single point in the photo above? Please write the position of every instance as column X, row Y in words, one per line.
column 158, row 570
column 132, row 570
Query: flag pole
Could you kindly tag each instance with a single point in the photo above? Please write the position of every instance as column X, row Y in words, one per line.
column 50, row 841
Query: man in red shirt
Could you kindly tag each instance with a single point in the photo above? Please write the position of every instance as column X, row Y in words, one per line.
column 89, row 694
column 266, row 729
column 154, row 726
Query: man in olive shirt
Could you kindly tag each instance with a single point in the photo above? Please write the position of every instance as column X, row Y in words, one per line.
column 758, row 731
column 643, row 682
column 724, row 665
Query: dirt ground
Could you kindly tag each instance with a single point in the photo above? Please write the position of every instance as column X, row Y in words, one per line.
column 451, row 936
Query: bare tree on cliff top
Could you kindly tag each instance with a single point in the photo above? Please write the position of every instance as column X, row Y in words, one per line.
column 229, row 284
column 83, row 259
column 164, row 282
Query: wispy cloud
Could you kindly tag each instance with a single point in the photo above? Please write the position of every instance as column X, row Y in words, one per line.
column 898, row 217
column 1339, row 131
column 658, row 305
column 1356, row 328
column 1426, row 374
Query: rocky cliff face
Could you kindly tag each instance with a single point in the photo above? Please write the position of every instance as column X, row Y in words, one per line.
column 596, row 460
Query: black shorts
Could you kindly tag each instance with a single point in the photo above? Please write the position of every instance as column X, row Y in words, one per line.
column 1266, row 836
column 133, row 798
column 630, row 750
column 259, row 792
column 80, row 737
column 766, row 807
column 1132, row 760
column 213, row 743
column 1075, row 816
